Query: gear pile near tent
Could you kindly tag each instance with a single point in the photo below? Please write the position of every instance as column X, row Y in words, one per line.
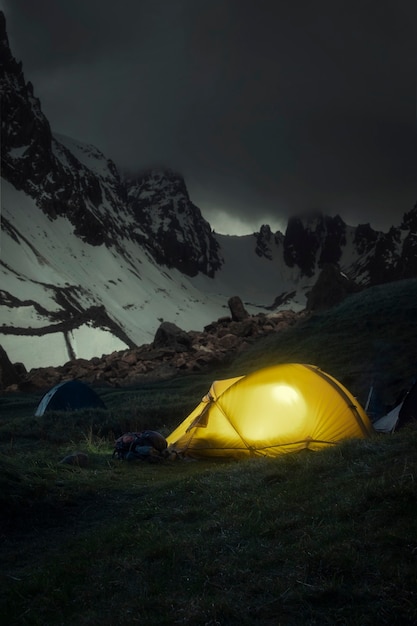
column 70, row 395
column 276, row 410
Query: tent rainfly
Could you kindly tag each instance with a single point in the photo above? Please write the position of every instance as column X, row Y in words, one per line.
column 403, row 413
column 69, row 395
column 276, row 410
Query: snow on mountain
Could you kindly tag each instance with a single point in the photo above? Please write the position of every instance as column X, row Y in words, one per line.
column 87, row 155
column 92, row 262
column 62, row 297
column 258, row 279
column 54, row 280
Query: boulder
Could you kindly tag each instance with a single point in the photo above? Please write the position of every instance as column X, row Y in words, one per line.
column 229, row 341
column 79, row 459
column 169, row 335
column 237, row 309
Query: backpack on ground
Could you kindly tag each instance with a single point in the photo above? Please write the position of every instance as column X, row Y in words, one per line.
column 148, row 445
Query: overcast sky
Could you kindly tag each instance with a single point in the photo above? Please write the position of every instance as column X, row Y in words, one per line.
column 267, row 107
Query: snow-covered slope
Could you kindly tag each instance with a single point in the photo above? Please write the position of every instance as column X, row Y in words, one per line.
column 92, row 262
column 264, row 282
column 54, row 287
column 61, row 297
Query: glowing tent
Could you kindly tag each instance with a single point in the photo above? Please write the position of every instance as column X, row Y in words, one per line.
column 276, row 410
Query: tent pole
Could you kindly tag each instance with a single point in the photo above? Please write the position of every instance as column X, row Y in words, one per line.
column 369, row 397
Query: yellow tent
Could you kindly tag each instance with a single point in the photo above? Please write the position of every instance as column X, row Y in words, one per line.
column 279, row 409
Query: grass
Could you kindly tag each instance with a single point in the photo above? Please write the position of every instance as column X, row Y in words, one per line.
column 314, row 538
column 310, row 538
column 369, row 340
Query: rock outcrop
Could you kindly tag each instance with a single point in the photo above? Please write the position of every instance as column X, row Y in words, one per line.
column 169, row 335
column 172, row 227
column 238, row 311
column 173, row 352
column 331, row 288
column 9, row 373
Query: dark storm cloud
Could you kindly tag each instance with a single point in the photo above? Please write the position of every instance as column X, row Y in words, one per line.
column 267, row 107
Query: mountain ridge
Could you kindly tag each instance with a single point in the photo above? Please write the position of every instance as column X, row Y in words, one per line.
column 92, row 261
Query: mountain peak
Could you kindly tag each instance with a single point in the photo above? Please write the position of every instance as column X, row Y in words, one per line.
column 173, row 228
column 314, row 239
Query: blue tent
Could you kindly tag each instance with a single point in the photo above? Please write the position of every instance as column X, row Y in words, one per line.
column 69, row 395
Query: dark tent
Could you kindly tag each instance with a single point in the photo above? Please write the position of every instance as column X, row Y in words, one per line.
column 388, row 423
column 403, row 413
column 69, row 395
column 408, row 410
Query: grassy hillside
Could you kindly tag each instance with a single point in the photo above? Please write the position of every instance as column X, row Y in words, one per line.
column 370, row 339
column 310, row 538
